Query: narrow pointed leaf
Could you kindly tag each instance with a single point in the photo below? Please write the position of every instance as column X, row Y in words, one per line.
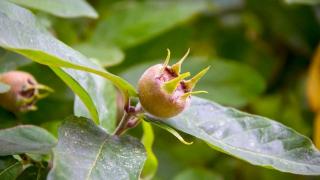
column 164, row 126
column 255, row 139
column 81, row 93
column 85, row 151
column 151, row 165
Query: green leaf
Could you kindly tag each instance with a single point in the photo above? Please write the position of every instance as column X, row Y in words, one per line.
column 104, row 95
column 61, row 8
column 172, row 131
column 10, row 168
column 85, row 151
column 285, row 107
column 79, row 90
column 105, row 56
column 151, row 165
column 4, row 87
column 134, row 23
column 40, row 46
column 33, row 173
column 255, row 139
column 97, row 99
column 19, row 33
column 25, row 139
column 309, row 2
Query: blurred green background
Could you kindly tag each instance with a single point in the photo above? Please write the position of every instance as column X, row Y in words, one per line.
column 260, row 53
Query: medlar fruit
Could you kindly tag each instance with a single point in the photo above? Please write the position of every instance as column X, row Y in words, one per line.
column 163, row 92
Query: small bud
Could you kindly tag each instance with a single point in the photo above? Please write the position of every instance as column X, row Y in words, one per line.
column 24, row 92
column 163, row 92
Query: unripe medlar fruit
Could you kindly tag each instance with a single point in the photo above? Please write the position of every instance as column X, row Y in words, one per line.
column 24, row 91
column 163, row 92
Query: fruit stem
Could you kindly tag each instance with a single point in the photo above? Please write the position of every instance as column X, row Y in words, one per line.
column 130, row 119
column 122, row 125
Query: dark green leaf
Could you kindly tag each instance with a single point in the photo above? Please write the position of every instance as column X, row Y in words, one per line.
column 10, row 168
column 62, row 8
column 38, row 45
column 134, row 23
column 255, row 139
column 85, row 151
column 33, row 173
column 25, row 139
column 197, row 174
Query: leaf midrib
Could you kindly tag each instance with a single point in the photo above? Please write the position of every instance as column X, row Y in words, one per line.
column 97, row 157
column 254, row 153
column 6, row 169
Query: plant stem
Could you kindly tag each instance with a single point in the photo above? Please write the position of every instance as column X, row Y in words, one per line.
column 130, row 119
column 123, row 124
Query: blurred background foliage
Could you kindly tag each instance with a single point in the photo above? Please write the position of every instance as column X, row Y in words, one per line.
column 260, row 53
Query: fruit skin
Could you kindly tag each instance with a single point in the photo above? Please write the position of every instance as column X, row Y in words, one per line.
column 154, row 99
column 23, row 92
